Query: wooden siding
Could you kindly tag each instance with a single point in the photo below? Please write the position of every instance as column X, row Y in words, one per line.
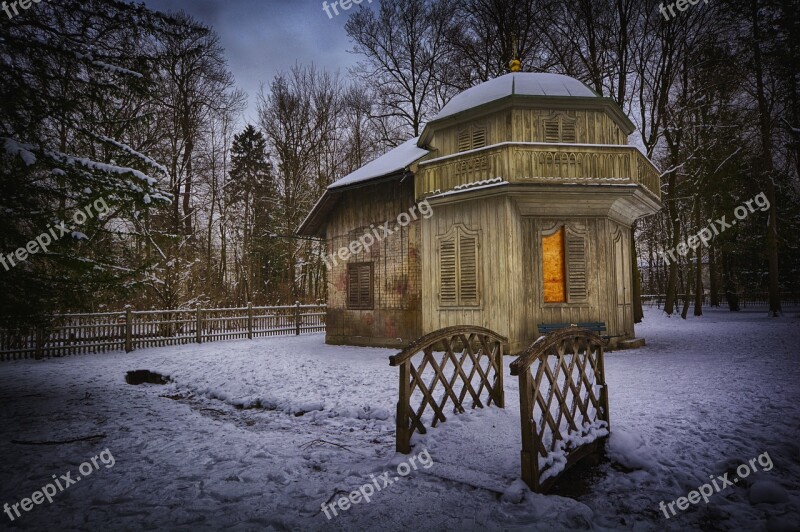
column 530, row 125
column 604, row 279
column 511, row 275
column 501, row 294
column 395, row 317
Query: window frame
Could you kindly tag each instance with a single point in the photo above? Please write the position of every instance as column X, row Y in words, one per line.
column 570, row 232
column 361, row 305
column 560, row 119
column 468, row 137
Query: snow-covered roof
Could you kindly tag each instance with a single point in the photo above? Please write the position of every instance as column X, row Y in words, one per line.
column 520, row 84
column 392, row 161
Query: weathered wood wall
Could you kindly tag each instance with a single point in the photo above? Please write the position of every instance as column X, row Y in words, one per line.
column 510, row 271
column 501, row 291
column 607, row 269
column 395, row 318
column 526, row 124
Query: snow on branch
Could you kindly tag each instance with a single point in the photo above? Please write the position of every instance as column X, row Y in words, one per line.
column 117, row 69
column 24, row 151
column 127, row 149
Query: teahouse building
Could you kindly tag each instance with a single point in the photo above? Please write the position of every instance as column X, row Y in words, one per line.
column 532, row 190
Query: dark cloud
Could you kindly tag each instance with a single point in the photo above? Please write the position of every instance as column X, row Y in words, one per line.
column 264, row 37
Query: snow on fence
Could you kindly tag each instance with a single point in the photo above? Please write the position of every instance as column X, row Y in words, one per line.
column 70, row 334
column 563, row 403
column 470, row 362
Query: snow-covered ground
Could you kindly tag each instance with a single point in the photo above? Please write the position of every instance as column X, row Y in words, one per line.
column 254, row 435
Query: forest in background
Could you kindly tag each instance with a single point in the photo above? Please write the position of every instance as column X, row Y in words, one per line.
column 109, row 101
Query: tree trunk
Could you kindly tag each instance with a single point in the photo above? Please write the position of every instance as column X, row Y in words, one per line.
column 698, row 273
column 713, row 275
column 672, row 282
column 768, row 168
column 636, row 281
column 731, row 295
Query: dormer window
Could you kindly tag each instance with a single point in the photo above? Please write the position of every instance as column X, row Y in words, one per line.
column 472, row 138
column 559, row 127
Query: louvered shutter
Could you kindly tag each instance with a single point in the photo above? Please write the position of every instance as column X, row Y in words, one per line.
column 468, row 269
column 551, row 130
column 576, row 267
column 464, row 140
column 448, row 295
column 568, row 131
column 478, row 138
column 359, row 286
column 352, row 286
column 365, row 285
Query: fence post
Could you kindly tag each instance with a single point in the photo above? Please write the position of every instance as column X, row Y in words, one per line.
column 403, row 430
column 199, row 325
column 39, row 351
column 250, row 320
column 529, row 456
column 128, row 329
column 602, row 381
column 297, row 317
column 499, row 389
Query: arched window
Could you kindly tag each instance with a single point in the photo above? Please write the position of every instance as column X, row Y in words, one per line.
column 559, row 127
column 564, row 266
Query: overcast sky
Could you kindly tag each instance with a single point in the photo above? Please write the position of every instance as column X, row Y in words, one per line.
column 264, row 37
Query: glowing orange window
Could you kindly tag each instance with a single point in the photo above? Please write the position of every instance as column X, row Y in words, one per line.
column 554, row 268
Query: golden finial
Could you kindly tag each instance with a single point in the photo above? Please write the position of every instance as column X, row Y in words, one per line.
column 515, row 65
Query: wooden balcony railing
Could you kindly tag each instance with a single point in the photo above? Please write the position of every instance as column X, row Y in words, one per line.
column 540, row 163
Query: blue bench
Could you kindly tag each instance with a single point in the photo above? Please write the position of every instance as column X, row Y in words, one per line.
column 594, row 326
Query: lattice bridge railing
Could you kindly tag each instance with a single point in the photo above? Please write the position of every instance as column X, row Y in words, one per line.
column 452, row 367
column 563, row 403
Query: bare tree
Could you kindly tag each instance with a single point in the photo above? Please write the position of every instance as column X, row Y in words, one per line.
column 403, row 47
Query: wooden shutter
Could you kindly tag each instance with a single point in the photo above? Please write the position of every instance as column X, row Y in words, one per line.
column 365, row 285
column 478, row 137
column 459, row 268
column 471, row 138
column 551, row 131
column 359, row 285
column 576, row 267
column 464, row 140
column 448, row 295
column 468, row 269
column 352, row 286
column 560, row 128
column 568, row 130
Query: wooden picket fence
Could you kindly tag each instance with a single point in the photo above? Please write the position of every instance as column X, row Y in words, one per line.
column 130, row 329
column 745, row 299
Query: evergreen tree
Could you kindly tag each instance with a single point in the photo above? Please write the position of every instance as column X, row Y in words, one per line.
column 74, row 78
column 251, row 193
